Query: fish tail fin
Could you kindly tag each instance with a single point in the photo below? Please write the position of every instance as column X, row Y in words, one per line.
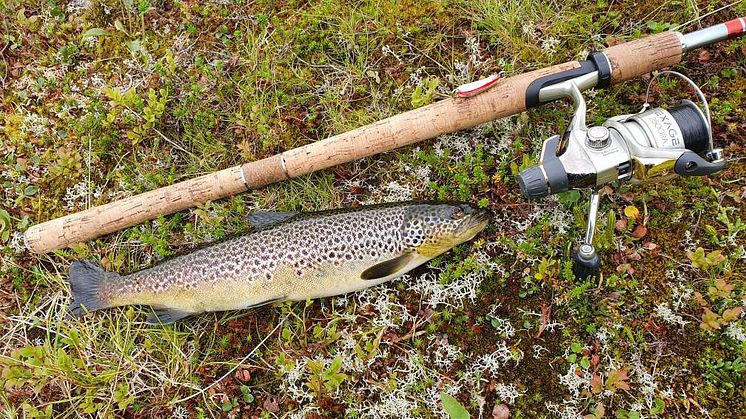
column 86, row 282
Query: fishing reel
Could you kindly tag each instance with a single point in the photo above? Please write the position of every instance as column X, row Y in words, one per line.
column 652, row 145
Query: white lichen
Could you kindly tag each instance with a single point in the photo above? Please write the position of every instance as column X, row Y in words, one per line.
column 508, row 393
column 80, row 194
column 680, row 294
column 735, row 332
column 549, row 45
column 503, row 326
column 445, row 354
column 294, row 383
column 563, row 411
column 663, row 310
column 494, row 361
column 576, row 380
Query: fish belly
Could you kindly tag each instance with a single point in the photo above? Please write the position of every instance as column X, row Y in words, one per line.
column 220, row 295
column 285, row 283
column 342, row 280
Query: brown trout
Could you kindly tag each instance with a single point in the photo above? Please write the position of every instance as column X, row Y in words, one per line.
column 289, row 256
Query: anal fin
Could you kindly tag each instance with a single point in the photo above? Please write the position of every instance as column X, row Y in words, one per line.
column 166, row 315
column 387, row 268
column 264, row 303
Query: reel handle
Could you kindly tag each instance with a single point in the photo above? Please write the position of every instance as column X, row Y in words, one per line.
column 585, row 262
column 692, row 164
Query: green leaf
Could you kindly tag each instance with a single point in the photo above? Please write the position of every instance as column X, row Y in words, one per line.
column 454, row 409
column 94, row 32
column 118, row 26
column 423, row 94
column 698, row 258
column 4, row 221
column 715, row 257
column 659, row 406
column 137, row 49
column 336, row 365
column 569, row 198
column 247, row 396
column 30, row 190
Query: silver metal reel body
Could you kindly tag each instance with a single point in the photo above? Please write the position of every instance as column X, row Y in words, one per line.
column 652, row 145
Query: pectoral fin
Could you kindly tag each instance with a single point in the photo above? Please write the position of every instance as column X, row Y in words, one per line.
column 387, row 268
column 166, row 316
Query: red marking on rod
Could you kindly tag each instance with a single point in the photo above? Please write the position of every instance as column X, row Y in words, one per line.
column 471, row 89
column 736, row 27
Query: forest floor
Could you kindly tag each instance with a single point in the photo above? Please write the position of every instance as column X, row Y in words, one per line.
column 107, row 99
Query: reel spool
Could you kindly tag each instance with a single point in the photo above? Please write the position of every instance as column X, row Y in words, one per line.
column 652, row 145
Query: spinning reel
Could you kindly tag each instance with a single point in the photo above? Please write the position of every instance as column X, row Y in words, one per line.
column 649, row 146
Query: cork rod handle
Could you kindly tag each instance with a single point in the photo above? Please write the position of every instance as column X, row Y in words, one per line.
column 641, row 56
column 507, row 98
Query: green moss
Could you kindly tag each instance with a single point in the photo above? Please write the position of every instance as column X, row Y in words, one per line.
column 167, row 90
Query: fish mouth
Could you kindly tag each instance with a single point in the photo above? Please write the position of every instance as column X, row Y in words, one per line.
column 479, row 218
column 477, row 221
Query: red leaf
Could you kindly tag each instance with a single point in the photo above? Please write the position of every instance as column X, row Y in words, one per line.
column 732, row 314
column 270, row 405
column 639, row 232
column 596, row 384
column 704, row 56
column 635, row 256
column 500, row 411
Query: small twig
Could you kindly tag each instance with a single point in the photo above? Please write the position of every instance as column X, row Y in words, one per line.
column 691, row 316
column 698, row 18
column 170, row 141
column 414, row 47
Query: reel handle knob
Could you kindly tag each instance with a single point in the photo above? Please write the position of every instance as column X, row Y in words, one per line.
column 585, row 262
column 533, row 183
column 548, row 177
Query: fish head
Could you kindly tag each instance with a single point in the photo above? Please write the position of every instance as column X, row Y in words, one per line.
column 432, row 229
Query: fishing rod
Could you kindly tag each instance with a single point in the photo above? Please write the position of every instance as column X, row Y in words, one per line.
column 472, row 104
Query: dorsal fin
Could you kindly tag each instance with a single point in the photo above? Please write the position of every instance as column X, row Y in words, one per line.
column 262, row 219
column 389, row 267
